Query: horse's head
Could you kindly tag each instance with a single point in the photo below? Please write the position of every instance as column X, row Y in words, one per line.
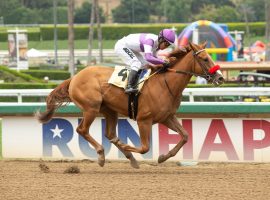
column 204, row 65
column 200, row 62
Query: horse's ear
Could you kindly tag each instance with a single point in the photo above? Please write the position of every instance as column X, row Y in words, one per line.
column 188, row 48
column 192, row 46
column 203, row 45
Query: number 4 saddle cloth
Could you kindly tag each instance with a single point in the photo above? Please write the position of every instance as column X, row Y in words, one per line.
column 120, row 74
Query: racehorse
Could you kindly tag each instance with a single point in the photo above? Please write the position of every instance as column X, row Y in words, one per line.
column 159, row 99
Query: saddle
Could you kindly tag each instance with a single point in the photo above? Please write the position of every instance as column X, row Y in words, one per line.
column 119, row 79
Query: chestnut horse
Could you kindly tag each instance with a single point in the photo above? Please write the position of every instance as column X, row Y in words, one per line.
column 159, row 99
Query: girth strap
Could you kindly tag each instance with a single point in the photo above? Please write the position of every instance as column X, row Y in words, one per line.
column 133, row 105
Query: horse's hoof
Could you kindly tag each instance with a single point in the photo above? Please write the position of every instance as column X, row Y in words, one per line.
column 161, row 158
column 134, row 163
column 101, row 162
column 101, row 159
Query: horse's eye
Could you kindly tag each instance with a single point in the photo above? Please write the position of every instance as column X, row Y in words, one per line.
column 205, row 59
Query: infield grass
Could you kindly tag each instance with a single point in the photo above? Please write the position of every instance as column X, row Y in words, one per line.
column 83, row 44
column 63, row 44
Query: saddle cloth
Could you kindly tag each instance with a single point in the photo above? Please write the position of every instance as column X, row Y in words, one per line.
column 120, row 74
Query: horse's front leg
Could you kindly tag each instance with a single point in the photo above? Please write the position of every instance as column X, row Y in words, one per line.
column 173, row 124
column 117, row 142
column 145, row 127
column 111, row 122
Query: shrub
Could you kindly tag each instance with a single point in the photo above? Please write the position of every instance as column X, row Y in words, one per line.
column 52, row 74
column 27, row 85
column 25, row 77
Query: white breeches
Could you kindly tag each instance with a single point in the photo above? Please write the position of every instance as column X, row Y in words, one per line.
column 133, row 60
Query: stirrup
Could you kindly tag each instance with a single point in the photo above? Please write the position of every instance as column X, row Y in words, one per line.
column 130, row 90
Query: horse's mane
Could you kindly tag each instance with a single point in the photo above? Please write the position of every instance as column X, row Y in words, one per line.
column 179, row 52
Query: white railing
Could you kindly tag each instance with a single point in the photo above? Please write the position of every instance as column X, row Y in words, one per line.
column 238, row 92
column 20, row 93
column 190, row 92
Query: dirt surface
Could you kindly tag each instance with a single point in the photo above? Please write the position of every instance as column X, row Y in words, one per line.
column 117, row 180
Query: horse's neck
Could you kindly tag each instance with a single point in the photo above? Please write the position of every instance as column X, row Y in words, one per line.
column 179, row 81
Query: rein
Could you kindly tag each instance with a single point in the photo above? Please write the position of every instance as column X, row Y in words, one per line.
column 207, row 72
column 188, row 73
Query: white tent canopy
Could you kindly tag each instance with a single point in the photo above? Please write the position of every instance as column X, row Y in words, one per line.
column 33, row 53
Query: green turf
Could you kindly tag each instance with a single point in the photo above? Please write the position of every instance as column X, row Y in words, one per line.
column 83, row 44
column 62, row 44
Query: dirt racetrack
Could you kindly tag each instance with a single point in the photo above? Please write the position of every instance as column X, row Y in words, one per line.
column 117, row 180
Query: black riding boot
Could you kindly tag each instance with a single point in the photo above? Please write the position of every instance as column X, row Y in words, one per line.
column 132, row 82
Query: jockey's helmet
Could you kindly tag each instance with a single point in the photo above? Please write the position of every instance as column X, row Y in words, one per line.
column 167, row 35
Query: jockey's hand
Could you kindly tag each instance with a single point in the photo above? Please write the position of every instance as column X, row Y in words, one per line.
column 154, row 67
column 172, row 60
column 183, row 49
column 164, row 67
column 166, row 64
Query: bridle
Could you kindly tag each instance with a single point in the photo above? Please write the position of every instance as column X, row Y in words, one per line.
column 208, row 73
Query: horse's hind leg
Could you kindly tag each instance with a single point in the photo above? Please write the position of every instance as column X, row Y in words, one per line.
column 111, row 122
column 83, row 130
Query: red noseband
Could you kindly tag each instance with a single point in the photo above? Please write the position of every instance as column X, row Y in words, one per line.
column 213, row 69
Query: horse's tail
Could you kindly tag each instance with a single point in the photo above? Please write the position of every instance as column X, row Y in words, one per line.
column 56, row 98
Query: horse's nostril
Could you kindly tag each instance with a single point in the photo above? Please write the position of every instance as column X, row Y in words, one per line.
column 221, row 79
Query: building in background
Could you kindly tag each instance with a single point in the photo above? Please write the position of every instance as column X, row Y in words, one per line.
column 106, row 5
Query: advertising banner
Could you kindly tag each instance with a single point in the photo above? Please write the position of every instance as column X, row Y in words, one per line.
column 17, row 47
column 227, row 140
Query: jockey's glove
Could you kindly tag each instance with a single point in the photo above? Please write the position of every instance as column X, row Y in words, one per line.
column 166, row 64
column 165, row 67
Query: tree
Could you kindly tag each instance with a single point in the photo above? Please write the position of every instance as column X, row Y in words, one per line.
column 91, row 32
column 44, row 4
column 267, row 29
column 95, row 15
column 246, row 11
column 99, row 32
column 82, row 14
column 196, row 5
column 71, row 36
column 154, row 7
column 176, row 11
column 61, row 15
column 132, row 11
column 221, row 14
column 31, row 11
column 257, row 9
column 22, row 15
column 6, row 7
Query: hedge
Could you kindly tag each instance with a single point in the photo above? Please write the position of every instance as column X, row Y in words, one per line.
column 256, row 28
column 32, row 36
column 109, row 32
column 116, row 31
column 27, row 85
column 26, row 77
column 52, row 74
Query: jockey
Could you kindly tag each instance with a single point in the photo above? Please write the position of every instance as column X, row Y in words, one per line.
column 139, row 50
